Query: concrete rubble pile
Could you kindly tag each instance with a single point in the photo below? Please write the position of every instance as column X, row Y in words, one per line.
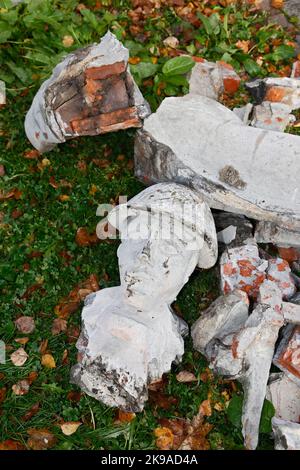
column 241, row 171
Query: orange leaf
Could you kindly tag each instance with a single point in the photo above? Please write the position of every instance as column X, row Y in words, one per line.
column 12, row 194
column 83, row 238
column 31, row 412
column 2, row 394
column 205, row 408
column 124, row 417
column 59, row 325
column 164, row 438
column 32, row 154
column 10, row 444
column 48, row 361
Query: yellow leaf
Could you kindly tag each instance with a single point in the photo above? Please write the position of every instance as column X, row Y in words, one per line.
column 68, row 41
column 69, row 427
column 48, row 361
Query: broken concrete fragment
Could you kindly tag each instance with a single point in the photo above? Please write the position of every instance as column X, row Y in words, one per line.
column 287, row 357
column 242, row 268
column 212, row 79
column 130, row 335
column 197, row 141
column 272, row 116
column 285, row 396
column 286, row 434
column 244, row 113
column 283, row 90
column 291, row 312
column 247, row 356
column 224, row 316
column 90, row 92
column 228, row 224
column 279, row 271
column 268, row 232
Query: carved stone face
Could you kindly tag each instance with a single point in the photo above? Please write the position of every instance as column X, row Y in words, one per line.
column 153, row 270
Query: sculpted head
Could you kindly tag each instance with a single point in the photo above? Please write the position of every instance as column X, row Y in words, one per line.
column 166, row 231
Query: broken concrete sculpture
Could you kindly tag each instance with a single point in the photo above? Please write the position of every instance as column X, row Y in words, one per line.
column 227, row 314
column 242, row 268
column 279, row 271
column 232, row 229
column 275, row 99
column 211, row 79
column 90, row 92
column 130, row 336
column 244, row 350
column 286, row 434
column 268, row 232
column 198, row 142
column 285, row 396
column 287, row 357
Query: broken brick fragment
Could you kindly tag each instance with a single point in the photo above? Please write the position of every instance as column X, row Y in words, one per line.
column 105, row 71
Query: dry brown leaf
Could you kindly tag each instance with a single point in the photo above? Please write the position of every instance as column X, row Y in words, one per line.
column 2, row 394
column 65, row 359
column 179, row 428
column 164, row 438
column 31, row 412
column 21, row 387
column 32, row 376
column 185, row 377
column 40, row 439
column 58, row 326
column 14, row 193
column 48, row 361
column 25, row 324
column 83, row 238
column 205, row 408
column 2, row 170
column 43, row 346
column 160, row 400
column 70, row 304
column 69, row 427
column 16, row 213
column 124, row 417
column 11, row 444
column 74, row 396
column 73, row 333
column 19, row 357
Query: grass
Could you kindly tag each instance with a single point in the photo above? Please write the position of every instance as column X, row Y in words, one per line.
column 38, row 231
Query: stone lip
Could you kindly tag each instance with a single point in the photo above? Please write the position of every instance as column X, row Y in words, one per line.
column 90, row 92
column 196, row 141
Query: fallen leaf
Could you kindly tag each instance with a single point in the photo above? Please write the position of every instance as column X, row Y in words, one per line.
column 58, row 326
column 74, row 396
column 70, row 304
column 21, row 387
column 31, row 412
column 161, row 400
column 40, row 439
column 219, row 406
column 124, row 417
column 22, row 341
column 2, row 170
column 12, row 194
column 164, row 438
column 64, row 197
column 30, row 290
column 185, row 377
column 205, row 408
column 16, row 213
column 83, row 238
column 73, row 333
column 101, row 163
column 93, row 190
column 277, row 4
column 2, row 394
column 32, row 376
column 69, row 427
column 19, row 357
column 243, row 45
column 64, row 359
column 48, row 361
column 179, row 428
column 32, row 154
column 158, row 385
column 43, row 346
column 11, row 444
column 25, row 324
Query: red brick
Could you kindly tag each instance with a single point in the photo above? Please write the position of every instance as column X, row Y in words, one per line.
column 105, row 71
